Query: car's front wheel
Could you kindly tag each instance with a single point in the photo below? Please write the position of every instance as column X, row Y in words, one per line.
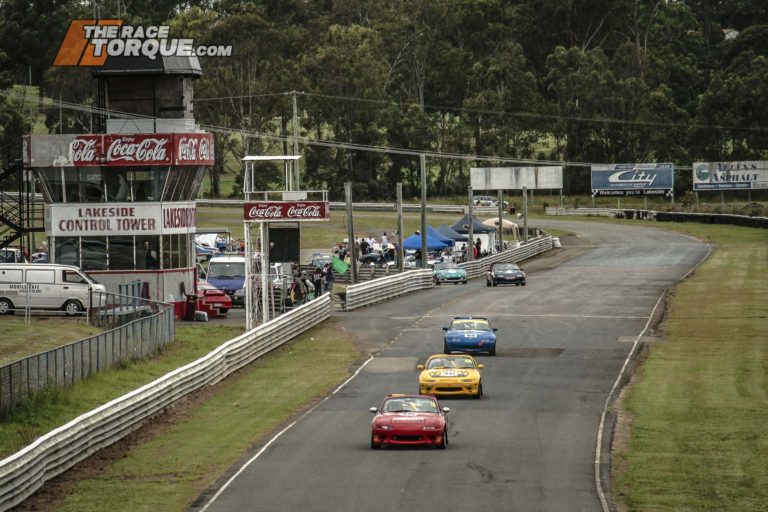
column 445, row 349
column 487, row 283
column 72, row 307
column 479, row 393
column 374, row 444
column 492, row 352
column 444, row 441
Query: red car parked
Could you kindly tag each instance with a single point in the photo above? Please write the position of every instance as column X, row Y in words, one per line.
column 213, row 301
column 409, row 420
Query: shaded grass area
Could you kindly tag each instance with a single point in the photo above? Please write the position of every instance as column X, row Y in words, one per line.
column 54, row 408
column 699, row 407
column 19, row 339
column 169, row 470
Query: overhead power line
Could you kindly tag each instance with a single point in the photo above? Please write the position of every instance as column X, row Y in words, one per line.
column 304, row 140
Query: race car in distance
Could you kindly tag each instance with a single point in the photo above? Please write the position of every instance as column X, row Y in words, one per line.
column 445, row 374
column 409, row 420
column 505, row 273
column 470, row 334
column 449, row 272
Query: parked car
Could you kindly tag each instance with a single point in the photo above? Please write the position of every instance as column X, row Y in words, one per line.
column 505, row 273
column 449, row 272
column 488, row 201
column 470, row 334
column 408, row 420
column 319, row 259
column 213, row 301
column 46, row 286
column 445, row 374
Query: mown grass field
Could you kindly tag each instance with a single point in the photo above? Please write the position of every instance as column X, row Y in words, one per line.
column 699, row 405
column 19, row 339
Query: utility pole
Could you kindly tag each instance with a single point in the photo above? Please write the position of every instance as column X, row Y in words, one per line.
column 400, row 238
column 424, row 258
column 525, row 215
column 351, row 232
column 295, row 143
column 470, row 227
column 501, row 220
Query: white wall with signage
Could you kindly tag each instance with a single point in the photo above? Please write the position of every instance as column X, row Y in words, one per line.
column 112, row 219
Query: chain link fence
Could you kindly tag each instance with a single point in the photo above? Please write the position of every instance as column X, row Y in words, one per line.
column 138, row 328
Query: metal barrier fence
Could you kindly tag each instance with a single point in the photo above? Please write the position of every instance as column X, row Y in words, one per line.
column 26, row 471
column 136, row 335
column 385, row 288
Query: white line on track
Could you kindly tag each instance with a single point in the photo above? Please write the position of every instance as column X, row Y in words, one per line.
column 601, row 427
column 286, row 429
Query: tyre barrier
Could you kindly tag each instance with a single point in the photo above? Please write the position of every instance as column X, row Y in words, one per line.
column 26, row 471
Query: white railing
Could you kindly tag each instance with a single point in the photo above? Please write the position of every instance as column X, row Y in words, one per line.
column 594, row 212
column 26, row 471
column 385, row 288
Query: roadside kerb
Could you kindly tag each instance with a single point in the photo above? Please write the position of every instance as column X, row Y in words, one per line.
column 24, row 472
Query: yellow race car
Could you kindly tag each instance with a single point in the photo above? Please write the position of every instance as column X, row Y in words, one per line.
column 451, row 374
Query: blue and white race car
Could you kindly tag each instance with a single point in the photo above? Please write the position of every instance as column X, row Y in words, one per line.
column 470, row 334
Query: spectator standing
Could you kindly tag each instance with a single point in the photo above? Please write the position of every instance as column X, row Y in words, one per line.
column 478, row 246
column 317, row 281
column 384, row 241
column 328, row 277
column 364, row 246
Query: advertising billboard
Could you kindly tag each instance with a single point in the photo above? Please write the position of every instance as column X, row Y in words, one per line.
column 730, row 175
column 282, row 211
column 118, row 219
column 633, row 179
column 515, row 178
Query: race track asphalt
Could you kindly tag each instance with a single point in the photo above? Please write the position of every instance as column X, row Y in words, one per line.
column 529, row 443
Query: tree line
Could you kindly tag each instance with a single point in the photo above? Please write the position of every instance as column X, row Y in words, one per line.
column 605, row 81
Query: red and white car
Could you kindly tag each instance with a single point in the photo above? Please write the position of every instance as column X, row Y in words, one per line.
column 212, row 300
column 408, row 420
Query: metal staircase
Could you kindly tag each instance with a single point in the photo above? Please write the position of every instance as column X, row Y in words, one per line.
column 20, row 213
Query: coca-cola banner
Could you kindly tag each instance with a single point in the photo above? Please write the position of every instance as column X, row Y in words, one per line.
column 190, row 149
column 140, row 149
column 277, row 211
column 193, row 148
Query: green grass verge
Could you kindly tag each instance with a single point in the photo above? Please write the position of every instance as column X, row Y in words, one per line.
column 52, row 409
column 698, row 408
column 182, row 459
column 20, row 339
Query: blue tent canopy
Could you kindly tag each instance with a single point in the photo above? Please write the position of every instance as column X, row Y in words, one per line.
column 414, row 242
column 433, row 233
column 446, row 230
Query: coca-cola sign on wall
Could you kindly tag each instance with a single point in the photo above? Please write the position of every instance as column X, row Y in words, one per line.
column 150, row 149
column 277, row 211
column 193, row 149
column 86, row 150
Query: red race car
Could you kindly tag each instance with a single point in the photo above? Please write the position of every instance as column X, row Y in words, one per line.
column 213, row 301
column 409, row 420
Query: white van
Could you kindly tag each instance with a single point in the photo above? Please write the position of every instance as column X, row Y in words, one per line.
column 48, row 286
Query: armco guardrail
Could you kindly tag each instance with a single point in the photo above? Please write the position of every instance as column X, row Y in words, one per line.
column 379, row 290
column 385, row 288
column 26, row 471
column 534, row 246
column 69, row 364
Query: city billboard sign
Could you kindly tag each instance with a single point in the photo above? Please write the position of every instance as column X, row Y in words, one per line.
column 633, row 179
column 730, row 175
column 286, row 211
